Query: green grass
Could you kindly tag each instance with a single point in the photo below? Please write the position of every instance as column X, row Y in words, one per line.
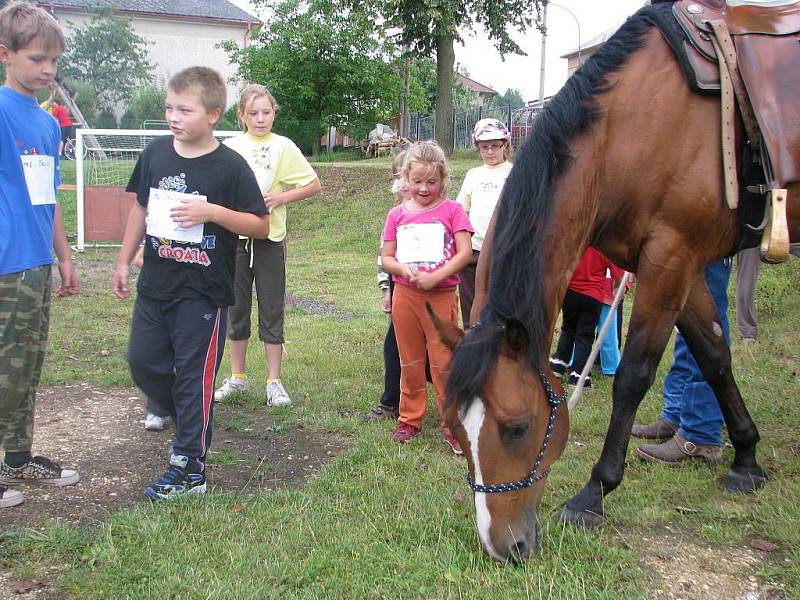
column 389, row 521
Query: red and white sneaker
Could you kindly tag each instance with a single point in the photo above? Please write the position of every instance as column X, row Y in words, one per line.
column 451, row 441
column 405, row 432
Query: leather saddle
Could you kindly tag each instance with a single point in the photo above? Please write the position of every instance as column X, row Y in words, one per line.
column 766, row 40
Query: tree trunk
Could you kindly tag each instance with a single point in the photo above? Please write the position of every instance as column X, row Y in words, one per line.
column 445, row 59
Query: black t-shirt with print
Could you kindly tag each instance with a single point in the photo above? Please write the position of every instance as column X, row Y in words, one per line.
column 175, row 269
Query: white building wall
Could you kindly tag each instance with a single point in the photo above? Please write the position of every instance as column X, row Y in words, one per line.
column 180, row 43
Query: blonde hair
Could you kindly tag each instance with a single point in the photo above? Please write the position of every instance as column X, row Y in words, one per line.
column 428, row 153
column 207, row 82
column 22, row 22
column 398, row 179
column 250, row 92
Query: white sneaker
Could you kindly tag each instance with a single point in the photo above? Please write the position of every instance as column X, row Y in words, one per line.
column 156, row 423
column 9, row 497
column 276, row 395
column 231, row 385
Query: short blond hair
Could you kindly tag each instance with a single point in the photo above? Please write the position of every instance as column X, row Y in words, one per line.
column 428, row 153
column 250, row 92
column 22, row 22
column 207, row 82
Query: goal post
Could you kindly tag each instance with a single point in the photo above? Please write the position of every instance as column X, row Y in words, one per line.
column 104, row 161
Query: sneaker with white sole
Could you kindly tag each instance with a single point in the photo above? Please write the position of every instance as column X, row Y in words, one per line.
column 276, row 395
column 156, row 423
column 38, row 470
column 231, row 385
column 9, row 497
column 184, row 476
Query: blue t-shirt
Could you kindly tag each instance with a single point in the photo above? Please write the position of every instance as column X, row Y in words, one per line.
column 26, row 230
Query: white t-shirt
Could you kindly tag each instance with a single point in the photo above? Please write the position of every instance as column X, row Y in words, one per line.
column 479, row 194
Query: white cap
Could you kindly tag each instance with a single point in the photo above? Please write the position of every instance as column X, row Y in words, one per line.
column 489, row 129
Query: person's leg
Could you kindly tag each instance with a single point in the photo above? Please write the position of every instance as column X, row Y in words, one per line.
column 270, row 276
column 199, row 342
column 701, row 418
column 239, row 321
column 609, row 349
column 444, row 306
column 466, row 288
column 570, row 312
column 411, row 346
column 747, row 263
column 588, row 315
column 391, row 371
column 151, row 356
column 25, row 306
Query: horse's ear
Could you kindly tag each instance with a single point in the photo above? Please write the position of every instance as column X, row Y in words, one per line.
column 450, row 334
column 515, row 338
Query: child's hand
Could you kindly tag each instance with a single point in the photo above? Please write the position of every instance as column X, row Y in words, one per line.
column 408, row 273
column 192, row 212
column 425, row 280
column 69, row 279
column 119, row 282
column 273, row 200
column 386, row 301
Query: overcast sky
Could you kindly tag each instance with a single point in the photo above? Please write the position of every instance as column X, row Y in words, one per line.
column 484, row 64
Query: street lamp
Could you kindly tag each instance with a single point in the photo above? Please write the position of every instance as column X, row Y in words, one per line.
column 544, row 44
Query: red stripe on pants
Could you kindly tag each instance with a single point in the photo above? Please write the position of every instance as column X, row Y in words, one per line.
column 209, row 370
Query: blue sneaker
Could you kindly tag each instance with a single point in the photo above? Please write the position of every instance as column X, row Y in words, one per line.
column 178, row 480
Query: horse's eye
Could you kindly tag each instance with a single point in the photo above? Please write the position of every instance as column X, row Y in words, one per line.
column 517, row 431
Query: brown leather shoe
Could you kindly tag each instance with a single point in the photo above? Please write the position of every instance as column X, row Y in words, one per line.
column 678, row 449
column 659, row 430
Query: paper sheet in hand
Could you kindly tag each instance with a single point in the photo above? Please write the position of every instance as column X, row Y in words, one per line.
column 420, row 243
column 160, row 223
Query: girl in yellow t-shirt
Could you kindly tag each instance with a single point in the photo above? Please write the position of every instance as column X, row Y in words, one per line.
column 284, row 176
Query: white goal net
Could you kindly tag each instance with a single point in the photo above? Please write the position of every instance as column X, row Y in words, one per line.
column 104, row 161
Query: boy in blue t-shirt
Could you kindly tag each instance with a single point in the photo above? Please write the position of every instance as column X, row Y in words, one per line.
column 31, row 41
column 194, row 195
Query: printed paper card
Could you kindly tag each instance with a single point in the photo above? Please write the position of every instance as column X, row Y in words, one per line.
column 420, row 243
column 159, row 222
column 40, row 178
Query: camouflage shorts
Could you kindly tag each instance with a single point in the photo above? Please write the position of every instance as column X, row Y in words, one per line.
column 24, row 320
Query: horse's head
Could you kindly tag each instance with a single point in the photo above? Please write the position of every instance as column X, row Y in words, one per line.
column 512, row 426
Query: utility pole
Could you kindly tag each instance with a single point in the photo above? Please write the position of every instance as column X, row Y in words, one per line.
column 544, row 53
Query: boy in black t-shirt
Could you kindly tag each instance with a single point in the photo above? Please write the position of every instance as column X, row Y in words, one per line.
column 194, row 196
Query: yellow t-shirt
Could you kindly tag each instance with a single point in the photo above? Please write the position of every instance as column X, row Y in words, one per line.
column 279, row 166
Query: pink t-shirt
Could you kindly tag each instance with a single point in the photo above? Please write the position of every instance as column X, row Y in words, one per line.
column 426, row 238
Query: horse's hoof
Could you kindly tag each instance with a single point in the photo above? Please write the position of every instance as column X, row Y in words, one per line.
column 743, row 483
column 582, row 518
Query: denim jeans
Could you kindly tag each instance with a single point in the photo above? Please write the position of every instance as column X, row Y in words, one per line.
column 689, row 402
column 609, row 351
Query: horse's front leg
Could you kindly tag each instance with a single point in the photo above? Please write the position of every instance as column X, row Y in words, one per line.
column 648, row 334
column 701, row 327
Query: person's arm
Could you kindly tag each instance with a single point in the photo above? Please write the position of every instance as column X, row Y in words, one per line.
column 276, row 199
column 195, row 212
column 391, row 264
column 66, row 268
column 134, row 232
column 427, row 280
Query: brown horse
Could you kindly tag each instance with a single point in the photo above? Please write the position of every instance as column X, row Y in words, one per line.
column 625, row 158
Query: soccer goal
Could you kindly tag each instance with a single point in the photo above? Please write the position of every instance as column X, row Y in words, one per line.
column 104, row 161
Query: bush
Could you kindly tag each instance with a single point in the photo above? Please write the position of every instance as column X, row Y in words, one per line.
column 230, row 120
column 106, row 120
column 147, row 104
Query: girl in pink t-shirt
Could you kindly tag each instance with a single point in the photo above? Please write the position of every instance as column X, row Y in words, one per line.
column 426, row 242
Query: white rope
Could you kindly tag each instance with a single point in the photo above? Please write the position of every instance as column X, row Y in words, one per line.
column 576, row 393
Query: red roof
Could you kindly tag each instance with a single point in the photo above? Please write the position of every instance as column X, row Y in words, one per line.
column 473, row 85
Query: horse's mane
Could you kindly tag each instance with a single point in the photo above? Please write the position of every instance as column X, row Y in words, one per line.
column 517, row 293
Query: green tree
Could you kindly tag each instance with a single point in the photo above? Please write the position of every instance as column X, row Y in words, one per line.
column 146, row 104
column 108, row 54
column 432, row 26
column 325, row 65
column 512, row 98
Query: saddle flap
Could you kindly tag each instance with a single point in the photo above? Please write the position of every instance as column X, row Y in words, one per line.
column 769, row 66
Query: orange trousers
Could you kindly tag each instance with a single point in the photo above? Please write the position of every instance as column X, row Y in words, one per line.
column 415, row 335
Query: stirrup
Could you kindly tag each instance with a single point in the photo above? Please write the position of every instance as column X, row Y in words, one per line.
column 775, row 239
